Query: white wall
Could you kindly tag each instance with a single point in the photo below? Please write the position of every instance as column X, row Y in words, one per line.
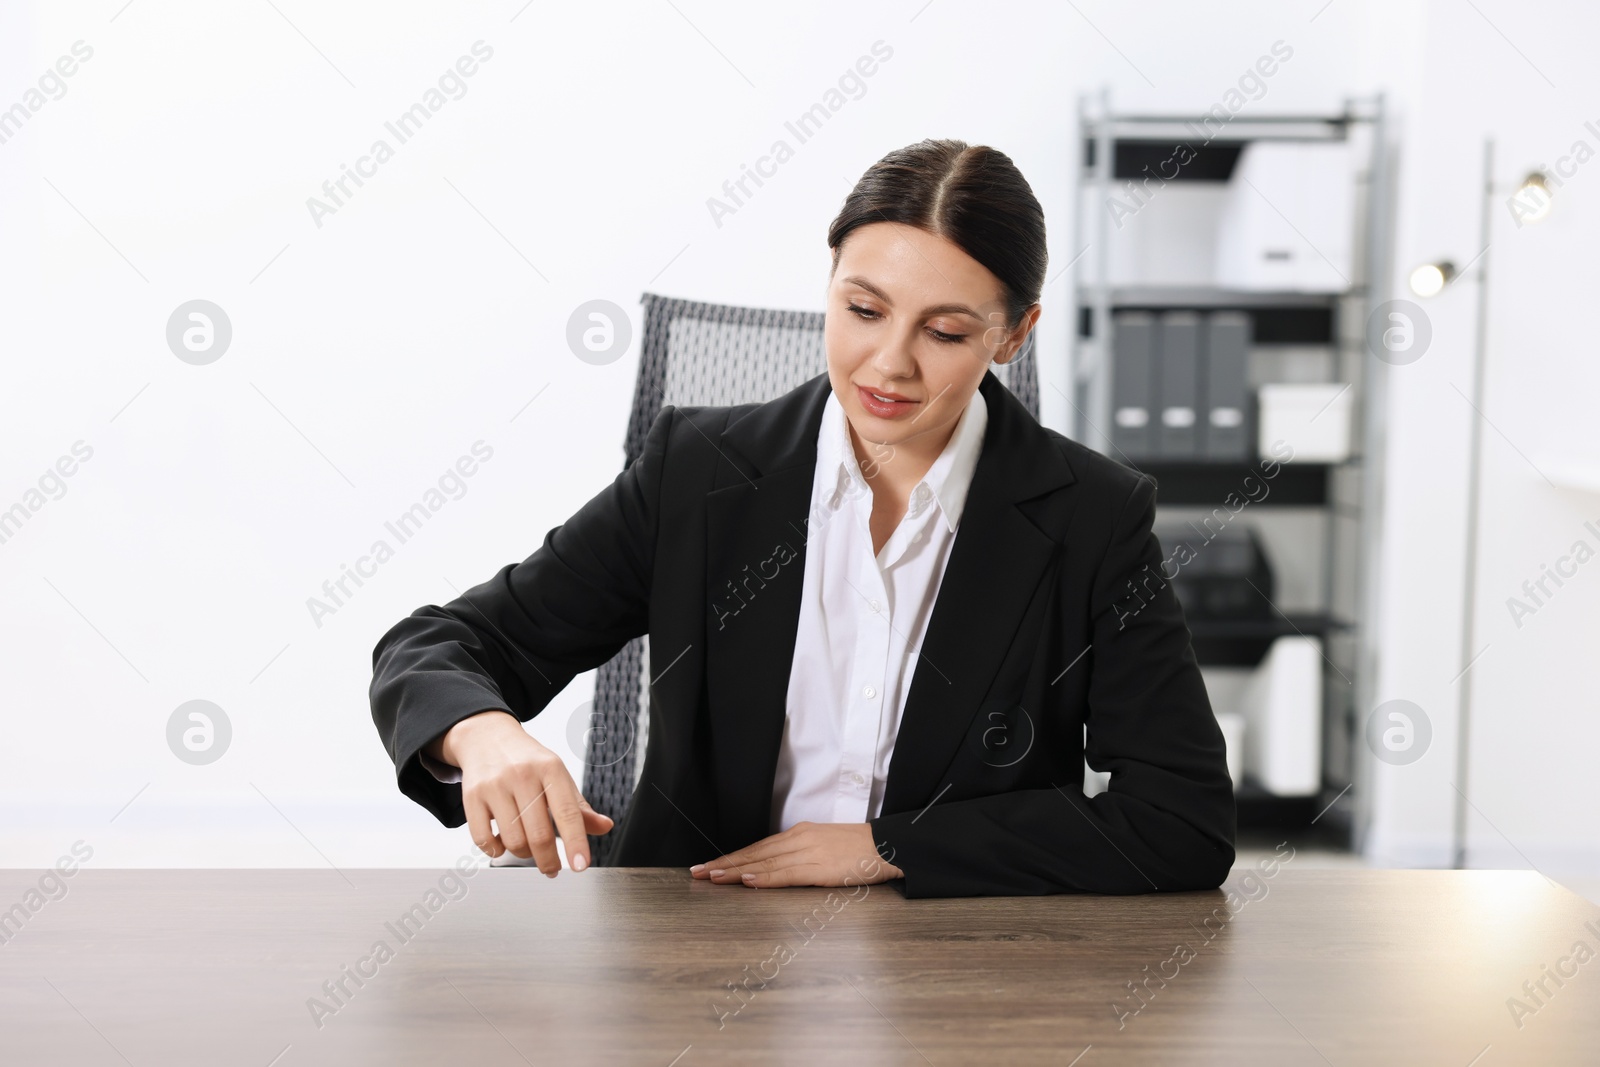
column 370, row 353
column 1521, row 74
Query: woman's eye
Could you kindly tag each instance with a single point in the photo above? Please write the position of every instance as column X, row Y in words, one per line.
column 938, row 335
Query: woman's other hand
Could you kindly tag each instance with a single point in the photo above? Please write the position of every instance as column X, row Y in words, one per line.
column 808, row 853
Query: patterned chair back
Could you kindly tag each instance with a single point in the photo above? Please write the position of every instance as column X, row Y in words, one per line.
column 717, row 354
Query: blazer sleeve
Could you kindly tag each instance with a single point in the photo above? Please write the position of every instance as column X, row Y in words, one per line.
column 1167, row 820
column 515, row 641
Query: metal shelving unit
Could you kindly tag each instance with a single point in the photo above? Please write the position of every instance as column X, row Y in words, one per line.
column 1347, row 494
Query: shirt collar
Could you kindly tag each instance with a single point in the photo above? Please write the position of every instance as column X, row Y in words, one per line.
column 946, row 481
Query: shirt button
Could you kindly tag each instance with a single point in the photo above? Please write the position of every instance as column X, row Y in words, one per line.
column 923, row 492
column 916, row 537
column 869, row 691
column 873, row 604
column 857, row 779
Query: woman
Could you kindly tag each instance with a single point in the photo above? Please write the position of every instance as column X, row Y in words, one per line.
column 845, row 690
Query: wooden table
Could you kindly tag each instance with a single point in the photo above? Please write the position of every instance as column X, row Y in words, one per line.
column 215, row 967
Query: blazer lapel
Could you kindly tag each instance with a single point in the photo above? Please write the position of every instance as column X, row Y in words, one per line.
column 756, row 523
column 755, row 571
column 995, row 567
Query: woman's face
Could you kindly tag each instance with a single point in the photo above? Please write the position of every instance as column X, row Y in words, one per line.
column 911, row 315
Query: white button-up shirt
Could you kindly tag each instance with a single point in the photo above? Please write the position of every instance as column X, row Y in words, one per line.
column 862, row 621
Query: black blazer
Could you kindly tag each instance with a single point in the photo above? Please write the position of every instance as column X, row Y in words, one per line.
column 1051, row 615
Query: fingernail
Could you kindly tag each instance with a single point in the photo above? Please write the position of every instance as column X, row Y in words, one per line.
column 717, row 874
column 579, row 863
column 697, row 868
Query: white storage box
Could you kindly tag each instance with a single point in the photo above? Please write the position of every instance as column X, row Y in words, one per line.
column 1283, row 718
column 1312, row 418
column 1288, row 222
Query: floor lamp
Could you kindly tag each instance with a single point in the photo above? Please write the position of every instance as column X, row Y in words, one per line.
column 1469, row 594
column 1531, row 202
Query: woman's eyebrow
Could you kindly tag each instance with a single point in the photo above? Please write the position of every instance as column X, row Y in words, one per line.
column 936, row 309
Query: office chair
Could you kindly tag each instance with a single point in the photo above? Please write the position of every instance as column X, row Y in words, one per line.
column 698, row 353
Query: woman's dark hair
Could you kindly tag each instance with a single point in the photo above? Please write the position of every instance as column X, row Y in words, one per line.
column 971, row 195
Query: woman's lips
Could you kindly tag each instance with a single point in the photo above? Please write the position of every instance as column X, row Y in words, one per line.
column 890, row 409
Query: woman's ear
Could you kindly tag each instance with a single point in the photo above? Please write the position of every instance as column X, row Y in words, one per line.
column 1030, row 318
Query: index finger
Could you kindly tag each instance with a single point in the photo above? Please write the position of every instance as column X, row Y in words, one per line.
column 561, row 794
